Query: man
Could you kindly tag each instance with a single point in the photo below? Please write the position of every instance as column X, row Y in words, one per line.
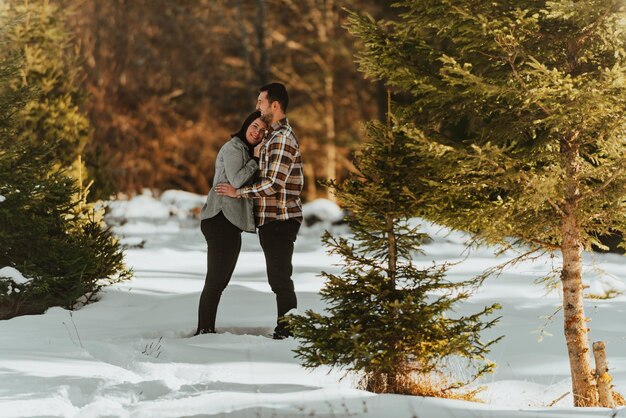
column 276, row 194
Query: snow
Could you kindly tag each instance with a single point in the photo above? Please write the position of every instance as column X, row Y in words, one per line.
column 176, row 204
column 133, row 353
column 132, row 242
column 181, row 203
column 16, row 278
column 141, row 227
column 142, row 206
column 323, row 210
column 605, row 287
column 14, row 275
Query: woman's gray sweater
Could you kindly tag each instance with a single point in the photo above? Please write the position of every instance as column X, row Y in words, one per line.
column 235, row 166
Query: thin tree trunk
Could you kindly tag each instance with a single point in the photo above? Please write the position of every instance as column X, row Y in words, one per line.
column 576, row 338
column 391, row 235
column 392, row 254
column 245, row 42
column 329, row 119
column 603, row 378
column 382, row 99
column 310, row 192
column 576, row 333
column 95, row 62
column 325, row 33
column 263, row 70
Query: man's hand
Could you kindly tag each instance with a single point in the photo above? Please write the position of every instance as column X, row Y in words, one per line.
column 225, row 189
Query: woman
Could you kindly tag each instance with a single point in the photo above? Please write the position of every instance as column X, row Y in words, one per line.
column 223, row 218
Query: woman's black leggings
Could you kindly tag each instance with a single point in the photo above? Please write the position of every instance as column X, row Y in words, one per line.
column 223, row 246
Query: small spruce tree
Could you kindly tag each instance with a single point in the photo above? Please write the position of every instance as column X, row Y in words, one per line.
column 387, row 319
column 521, row 106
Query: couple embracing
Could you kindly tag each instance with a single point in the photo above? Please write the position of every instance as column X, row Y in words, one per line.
column 257, row 184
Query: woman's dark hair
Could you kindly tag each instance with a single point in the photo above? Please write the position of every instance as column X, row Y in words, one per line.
column 246, row 123
column 276, row 92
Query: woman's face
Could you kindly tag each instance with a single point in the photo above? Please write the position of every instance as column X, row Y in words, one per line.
column 256, row 131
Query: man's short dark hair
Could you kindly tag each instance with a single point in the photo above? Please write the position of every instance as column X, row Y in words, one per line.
column 276, row 92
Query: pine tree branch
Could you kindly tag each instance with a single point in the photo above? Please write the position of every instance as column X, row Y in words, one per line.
column 348, row 165
column 556, row 207
column 596, row 192
column 511, row 60
column 497, row 270
column 529, row 183
column 544, row 244
column 586, row 33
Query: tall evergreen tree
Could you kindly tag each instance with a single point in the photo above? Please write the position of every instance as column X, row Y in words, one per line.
column 522, row 108
column 47, row 231
column 387, row 319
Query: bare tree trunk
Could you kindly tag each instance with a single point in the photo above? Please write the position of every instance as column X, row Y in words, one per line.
column 329, row 121
column 245, row 42
column 329, row 104
column 381, row 100
column 576, row 338
column 123, row 28
column 393, row 253
column 310, row 191
column 263, row 70
column 391, row 233
column 94, row 61
column 603, row 378
column 576, row 333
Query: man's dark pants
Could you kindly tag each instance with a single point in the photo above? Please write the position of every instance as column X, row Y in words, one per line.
column 277, row 240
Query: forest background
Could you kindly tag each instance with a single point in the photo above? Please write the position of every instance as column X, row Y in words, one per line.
column 167, row 83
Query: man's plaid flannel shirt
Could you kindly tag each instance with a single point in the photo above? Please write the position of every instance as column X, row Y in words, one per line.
column 276, row 192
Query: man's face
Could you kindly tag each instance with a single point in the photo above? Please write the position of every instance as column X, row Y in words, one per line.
column 263, row 105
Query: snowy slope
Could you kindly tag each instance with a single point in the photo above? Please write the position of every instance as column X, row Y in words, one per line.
column 132, row 354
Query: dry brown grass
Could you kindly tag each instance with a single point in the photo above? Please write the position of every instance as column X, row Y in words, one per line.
column 435, row 385
column 618, row 398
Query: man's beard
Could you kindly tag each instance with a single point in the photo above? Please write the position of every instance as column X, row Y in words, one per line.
column 267, row 117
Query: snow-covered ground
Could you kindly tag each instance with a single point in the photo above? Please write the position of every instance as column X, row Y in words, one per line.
column 133, row 353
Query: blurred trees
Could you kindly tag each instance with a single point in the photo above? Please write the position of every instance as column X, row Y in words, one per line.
column 150, row 67
column 170, row 80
